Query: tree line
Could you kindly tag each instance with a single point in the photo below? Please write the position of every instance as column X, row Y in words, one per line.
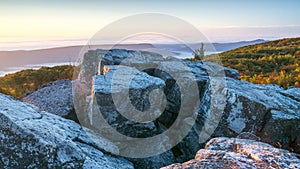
column 17, row 84
column 273, row 62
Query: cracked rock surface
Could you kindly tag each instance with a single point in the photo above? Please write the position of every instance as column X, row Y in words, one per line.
column 34, row 139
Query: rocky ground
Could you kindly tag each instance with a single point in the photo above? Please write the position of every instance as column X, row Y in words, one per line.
column 41, row 133
column 225, row 152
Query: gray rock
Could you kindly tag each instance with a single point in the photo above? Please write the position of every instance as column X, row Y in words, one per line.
column 105, row 103
column 111, row 91
column 157, row 161
column 228, row 106
column 126, row 92
column 141, row 60
column 138, row 59
column 89, row 68
column 210, row 79
column 114, row 56
column 239, row 153
column 206, row 66
column 249, row 136
column 239, row 107
column 33, row 139
column 267, row 111
column 139, row 88
column 55, row 97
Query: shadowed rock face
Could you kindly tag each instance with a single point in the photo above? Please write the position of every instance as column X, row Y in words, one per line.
column 239, row 153
column 34, row 139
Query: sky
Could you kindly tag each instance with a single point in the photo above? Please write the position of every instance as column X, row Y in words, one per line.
column 218, row 20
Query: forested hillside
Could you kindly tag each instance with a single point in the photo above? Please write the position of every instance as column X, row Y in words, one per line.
column 273, row 62
column 30, row 80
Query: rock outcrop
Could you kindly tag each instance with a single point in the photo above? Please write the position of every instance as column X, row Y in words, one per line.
column 229, row 153
column 208, row 99
column 33, row 139
column 55, row 98
column 228, row 107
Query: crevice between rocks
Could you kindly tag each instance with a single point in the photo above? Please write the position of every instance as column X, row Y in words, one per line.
column 265, row 120
column 32, row 118
column 92, row 144
column 290, row 96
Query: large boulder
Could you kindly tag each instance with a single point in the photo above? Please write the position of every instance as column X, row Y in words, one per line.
column 268, row 111
column 130, row 109
column 229, row 153
column 33, row 139
column 55, row 97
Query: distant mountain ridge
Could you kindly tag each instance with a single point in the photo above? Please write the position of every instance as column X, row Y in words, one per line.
column 12, row 61
column 233, row 45
column 209, row 47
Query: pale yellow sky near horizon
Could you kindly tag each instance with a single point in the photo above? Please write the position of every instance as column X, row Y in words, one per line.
column 219, row 21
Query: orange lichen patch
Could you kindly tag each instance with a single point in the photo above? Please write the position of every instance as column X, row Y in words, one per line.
column 247, row 153
column 255, row 157
column 278, row 144
column 102, row 69
column 105, row 69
